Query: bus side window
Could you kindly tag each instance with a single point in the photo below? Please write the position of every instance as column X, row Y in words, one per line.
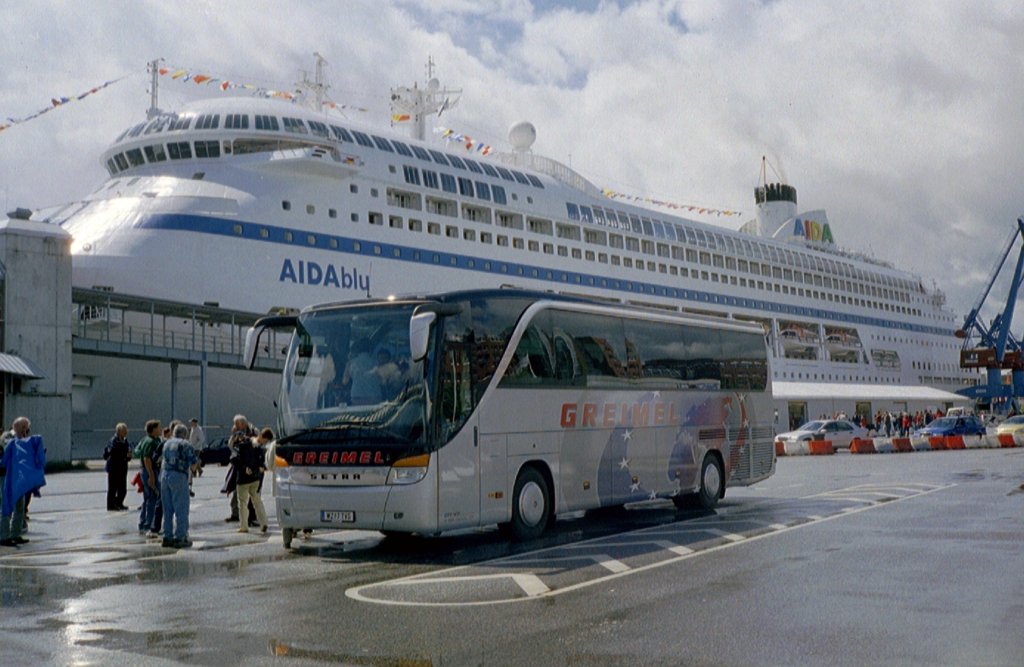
column 532, row 361
column 566, row 366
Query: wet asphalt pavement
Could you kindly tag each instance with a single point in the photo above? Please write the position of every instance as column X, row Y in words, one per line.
column 850, row 560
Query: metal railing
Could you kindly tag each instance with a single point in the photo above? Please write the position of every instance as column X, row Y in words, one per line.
column 161, row 330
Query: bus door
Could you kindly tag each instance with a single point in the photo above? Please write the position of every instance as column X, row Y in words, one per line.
column 458, row 433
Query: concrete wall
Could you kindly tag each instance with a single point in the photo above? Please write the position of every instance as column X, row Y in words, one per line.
column 37, row 326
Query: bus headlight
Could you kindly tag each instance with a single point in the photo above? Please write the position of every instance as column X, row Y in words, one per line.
column 409, row 470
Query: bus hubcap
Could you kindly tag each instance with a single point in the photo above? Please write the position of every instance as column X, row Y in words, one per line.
column 712, row 480
column 531, row 504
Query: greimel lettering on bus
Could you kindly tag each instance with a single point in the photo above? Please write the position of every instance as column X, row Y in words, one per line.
column 610, row 415
column 338, row 458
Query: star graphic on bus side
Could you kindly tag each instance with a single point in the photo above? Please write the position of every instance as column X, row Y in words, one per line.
column 624, row 464
column 627, row 434
column 635, row 486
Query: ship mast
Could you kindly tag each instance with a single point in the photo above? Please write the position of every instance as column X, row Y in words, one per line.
column 154, row 95
column 317, row 86
column 415, row 104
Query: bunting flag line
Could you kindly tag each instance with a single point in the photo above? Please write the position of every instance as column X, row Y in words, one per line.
column 469, row 143
column 703, row 210
column 224, row 85
column 58, row 102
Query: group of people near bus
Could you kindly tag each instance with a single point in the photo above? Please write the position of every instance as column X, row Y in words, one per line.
column 168, row 461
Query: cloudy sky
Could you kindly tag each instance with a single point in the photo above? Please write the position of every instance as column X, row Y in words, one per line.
column 905, row 121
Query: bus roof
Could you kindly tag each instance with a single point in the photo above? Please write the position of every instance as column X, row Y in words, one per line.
column 538, row 295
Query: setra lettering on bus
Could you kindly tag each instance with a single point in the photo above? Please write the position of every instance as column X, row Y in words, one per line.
column 610, row 415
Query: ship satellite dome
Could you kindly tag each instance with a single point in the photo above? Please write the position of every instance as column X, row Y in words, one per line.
column 433, row 84
column 522, row 135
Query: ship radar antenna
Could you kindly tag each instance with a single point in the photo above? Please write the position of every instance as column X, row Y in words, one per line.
column 154, row 87
column 413, row 105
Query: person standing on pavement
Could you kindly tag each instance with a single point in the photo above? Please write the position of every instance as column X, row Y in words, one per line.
column 179, row 459
column 241, row 431
column 118, row 453
column 251, row 466
column 24, row 460
column 197, row 436
column 146, row 453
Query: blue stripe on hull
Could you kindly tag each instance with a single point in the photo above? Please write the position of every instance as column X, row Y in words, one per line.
column 277, row 235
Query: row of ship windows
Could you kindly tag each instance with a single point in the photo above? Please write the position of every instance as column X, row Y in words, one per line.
column 713, row 240
column 518, row 243
column 455, row 184
column 299, row 126
column 931, row 381
column 571, row 232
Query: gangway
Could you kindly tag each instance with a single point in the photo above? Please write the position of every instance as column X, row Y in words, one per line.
column 994, row 347
column 132, row 327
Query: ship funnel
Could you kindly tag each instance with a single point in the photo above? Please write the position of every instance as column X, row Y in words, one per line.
column 776, row 203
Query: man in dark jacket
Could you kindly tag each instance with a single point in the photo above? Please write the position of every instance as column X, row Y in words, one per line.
column 118, row 453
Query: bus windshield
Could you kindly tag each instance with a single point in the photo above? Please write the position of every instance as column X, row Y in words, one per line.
column 349, row 376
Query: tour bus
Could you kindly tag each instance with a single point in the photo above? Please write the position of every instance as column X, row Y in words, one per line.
column 428, row 414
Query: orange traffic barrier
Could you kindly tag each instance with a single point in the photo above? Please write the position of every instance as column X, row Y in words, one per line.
column 955, row 442
column 902, row 444
column 1006, row 440
column 862, row 446
column 780, row 449
column 820, row 447
column 937, row 442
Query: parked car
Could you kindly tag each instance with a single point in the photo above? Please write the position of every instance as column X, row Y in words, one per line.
column 215, row 452
column 1011, row 425
column 839, row 431
column 969, row 425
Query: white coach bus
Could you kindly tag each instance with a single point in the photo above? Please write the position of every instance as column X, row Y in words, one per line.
column 427, row 414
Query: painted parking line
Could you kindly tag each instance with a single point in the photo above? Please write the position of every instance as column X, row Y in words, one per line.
column 564, row 568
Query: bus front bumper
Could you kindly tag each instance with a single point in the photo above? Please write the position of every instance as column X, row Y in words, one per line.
column 399, row 508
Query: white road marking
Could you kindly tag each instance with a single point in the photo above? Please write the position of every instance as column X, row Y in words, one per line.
column 530, row 583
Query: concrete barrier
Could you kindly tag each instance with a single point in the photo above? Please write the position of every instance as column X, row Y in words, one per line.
column 920, row 444
column 937, row 442
column 975, row 441
column 955, row 442
column 798, row 448
column 780, row 449
column 1007, row 439
column 820, row 447
column 884, row 445
column 902, row 444
column 862, row 446
column 1018, row 438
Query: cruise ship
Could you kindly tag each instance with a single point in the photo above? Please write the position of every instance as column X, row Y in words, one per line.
column 259, row 205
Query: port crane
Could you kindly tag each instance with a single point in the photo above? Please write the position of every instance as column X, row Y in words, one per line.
column 994, row 347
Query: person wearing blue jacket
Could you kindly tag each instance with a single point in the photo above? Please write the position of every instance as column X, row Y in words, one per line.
column 23, row 463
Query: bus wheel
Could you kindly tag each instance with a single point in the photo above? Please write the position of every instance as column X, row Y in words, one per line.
column 287, row 534
column 711, row 481
column 531, row 505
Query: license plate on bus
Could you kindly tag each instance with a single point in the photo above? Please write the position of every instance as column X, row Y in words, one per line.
column 337, row 516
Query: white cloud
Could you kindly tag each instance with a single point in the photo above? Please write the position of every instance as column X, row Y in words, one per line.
column 901, row 119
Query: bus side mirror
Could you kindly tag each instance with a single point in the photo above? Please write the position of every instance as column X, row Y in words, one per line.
column 419, row 334
column 252, row 336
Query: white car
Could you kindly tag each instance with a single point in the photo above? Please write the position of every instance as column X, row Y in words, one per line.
column 839, row 431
